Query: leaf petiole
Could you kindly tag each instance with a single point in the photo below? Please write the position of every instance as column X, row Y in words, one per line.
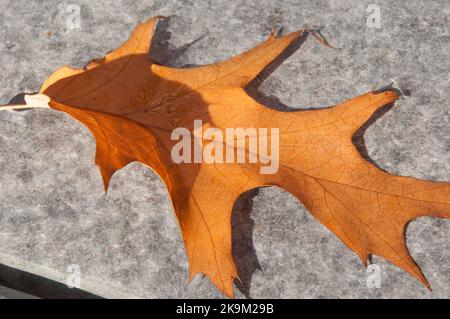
column 32, row 102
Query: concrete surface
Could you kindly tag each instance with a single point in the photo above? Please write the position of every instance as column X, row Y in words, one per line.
column 53, row 212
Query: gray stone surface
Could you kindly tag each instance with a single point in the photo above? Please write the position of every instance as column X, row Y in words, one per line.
column 53, row 211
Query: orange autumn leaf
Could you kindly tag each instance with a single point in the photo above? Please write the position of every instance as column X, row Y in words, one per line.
column 132, row 106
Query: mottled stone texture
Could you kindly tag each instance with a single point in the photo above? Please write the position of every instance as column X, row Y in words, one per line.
column 53, row 211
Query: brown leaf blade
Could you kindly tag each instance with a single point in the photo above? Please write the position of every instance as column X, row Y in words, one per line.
column 132, row 105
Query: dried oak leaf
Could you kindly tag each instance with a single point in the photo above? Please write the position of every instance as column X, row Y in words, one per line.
column 132, row 105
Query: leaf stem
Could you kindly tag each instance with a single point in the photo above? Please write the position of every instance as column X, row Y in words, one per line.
column 32, row 102
column 21, row 107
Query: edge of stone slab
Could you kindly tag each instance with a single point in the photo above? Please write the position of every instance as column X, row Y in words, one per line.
column 8, row 293
column 87, row 283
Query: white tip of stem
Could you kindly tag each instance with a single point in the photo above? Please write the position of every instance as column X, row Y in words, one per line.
column 37, row 100
column 32, row 102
